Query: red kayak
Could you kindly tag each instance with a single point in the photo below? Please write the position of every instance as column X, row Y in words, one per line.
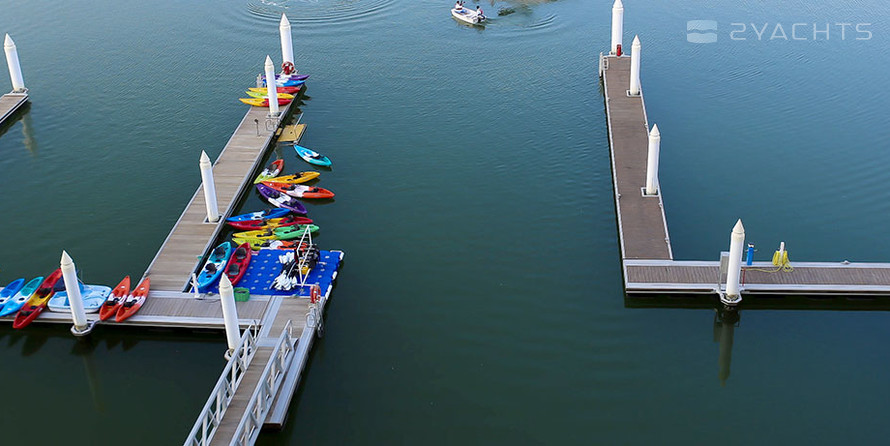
column 300, row 191
column 118, row 294
column 253, row 225
column 288, row 90
column 238, row 263
column 133, row 302
column 35, row 305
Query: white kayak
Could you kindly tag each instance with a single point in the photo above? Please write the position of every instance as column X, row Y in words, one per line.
column 93, row 298
column 468, row 16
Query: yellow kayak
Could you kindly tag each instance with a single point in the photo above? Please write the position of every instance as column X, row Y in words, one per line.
column 246, row 236
column 262, row 95
column 301, row 177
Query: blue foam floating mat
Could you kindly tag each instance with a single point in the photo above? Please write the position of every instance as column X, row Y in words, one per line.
column 264, row 268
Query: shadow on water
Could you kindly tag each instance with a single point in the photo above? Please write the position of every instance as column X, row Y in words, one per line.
column 727, row 319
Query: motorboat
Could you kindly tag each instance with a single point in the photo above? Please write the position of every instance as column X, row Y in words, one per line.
column 468, row 15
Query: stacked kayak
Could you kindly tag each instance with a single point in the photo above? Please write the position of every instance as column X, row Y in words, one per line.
column 37, row 302
column 280, row 200
column 17, row 301
column 114, row 301
column 269, row 223
column 133, row 302
column 263, row 102
column 214, row 266
column 275, row 167
column 264, row 90
column 300, row 191
column 259, row 95
column 260, row 215
column 297, row 178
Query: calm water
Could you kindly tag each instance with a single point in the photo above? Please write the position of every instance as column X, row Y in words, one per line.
column 481, row 298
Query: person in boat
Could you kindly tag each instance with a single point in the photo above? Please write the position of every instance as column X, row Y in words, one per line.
column 479, row 13
column 458, row 6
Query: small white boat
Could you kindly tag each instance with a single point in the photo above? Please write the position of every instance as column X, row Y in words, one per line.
column 93, row 297
column 467, row 15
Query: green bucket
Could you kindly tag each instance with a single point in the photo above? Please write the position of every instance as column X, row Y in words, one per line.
column 242, row 294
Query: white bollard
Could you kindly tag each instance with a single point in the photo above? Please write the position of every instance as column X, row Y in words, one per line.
column 287, row 42
column 271, row 87
column 230, row 313
column 209, row 188
column 15, row 69
column 75, row 300
column 617, row 25
column 635, row 67
column 735, row 264
column 652, row 161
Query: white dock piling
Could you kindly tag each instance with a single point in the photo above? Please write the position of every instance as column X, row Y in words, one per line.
column 652, row 161
column 617, row 25
column 15, row 69
column 75, row 300
column 287, row 42
column 734, row 270
column 230, row 313
column 209, row 188
column 634, row 89
column 271, row 87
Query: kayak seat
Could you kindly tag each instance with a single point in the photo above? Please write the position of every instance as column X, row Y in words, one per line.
column 240, row 254
column 219, row 251
column 210, row 268
column 234, row 269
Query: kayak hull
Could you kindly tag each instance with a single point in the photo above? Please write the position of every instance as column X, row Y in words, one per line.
column 115, row 300
column 133, row 302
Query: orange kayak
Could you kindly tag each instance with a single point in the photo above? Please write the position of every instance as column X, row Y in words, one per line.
column 35, row 305
column 118, row 294
column 133, row 302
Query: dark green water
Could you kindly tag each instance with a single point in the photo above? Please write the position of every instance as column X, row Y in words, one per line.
column 481, row 299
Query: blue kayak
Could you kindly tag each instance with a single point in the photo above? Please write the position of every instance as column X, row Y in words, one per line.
column 286, row 83
column 10, row 290
column 93, row 297
column 214, row 266
column 312, row 157
column 261, row 215
column 18, row 300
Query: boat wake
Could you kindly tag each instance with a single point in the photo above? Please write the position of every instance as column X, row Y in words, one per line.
column 327, row 12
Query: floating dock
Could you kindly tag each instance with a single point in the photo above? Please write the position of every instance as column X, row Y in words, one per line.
column 9, row 103
column 646, row 256
column 263, row 372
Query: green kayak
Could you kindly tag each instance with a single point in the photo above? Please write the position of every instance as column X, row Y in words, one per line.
column 292, row 232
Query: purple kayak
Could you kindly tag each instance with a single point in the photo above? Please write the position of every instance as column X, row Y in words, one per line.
column 293, row 77
column 281, row 200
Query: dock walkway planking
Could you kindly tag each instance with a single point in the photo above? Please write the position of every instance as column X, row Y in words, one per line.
column 641, row 224
column 11, row 102
column 647, row 259
column 191, row 236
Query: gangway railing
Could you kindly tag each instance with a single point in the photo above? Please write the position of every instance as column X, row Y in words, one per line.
column 221, row 395
column 270, row 381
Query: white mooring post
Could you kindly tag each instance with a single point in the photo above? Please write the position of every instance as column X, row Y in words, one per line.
column 209, row 188
column 617, row 26
column 271, row 87
column 230, row 313
column 287, row 42
column 635, row 67
column 15, row 69
column 75, row 300
column 734, row 270
column 652, row 161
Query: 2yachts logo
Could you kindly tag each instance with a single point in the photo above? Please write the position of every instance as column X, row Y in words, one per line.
column 705, row 31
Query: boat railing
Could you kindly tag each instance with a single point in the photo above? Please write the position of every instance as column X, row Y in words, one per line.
column 260, row 403
column 221, row 395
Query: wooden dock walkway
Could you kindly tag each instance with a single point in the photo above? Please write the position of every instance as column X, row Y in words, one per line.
column 646, row 256
column 191, row 236
column 9, row 103
column 642, row 226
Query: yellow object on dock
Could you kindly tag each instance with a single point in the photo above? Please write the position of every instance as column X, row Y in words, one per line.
column 292, row 133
